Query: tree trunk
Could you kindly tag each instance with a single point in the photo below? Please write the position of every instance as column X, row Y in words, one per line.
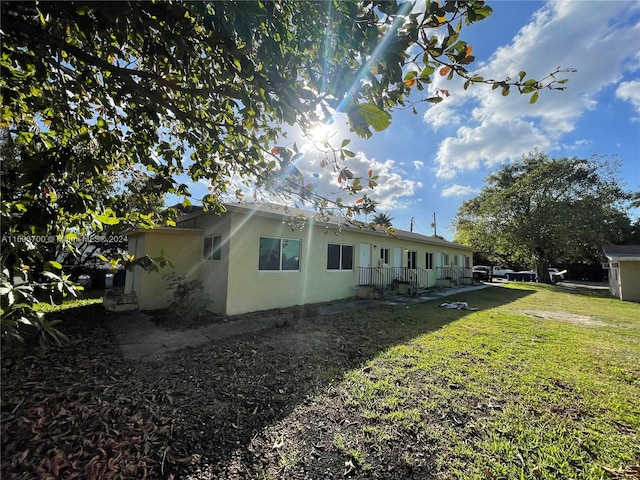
column 542, row 270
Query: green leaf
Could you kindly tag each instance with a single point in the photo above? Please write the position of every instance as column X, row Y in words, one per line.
column 108, row 220
column 53, row 264
column 484, row 11
column 426, row 73
column 409, row 76
column 374, row 116
column 534, row 98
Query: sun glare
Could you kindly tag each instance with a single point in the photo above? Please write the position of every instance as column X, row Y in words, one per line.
column 321, row 132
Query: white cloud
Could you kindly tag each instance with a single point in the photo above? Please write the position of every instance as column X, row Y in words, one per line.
column 489, row 144
column 456, row 190
column 630, row 92
column 566, row 34
column 392, row 192
column 418, row 164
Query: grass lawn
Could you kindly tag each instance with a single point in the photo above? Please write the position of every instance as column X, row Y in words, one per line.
column 538, row 383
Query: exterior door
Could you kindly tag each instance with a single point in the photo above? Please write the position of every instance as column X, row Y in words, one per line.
column 365, row 263
column 412, row 265
column 397, row 262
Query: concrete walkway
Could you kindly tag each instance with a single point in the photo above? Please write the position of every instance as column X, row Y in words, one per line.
column 141, row 339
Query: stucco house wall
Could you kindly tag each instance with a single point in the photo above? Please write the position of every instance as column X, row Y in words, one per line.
column 235, row 284
column 624, row 271
column 182, row 247
column 630, row 281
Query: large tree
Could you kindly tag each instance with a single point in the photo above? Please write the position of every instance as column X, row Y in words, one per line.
column 542, row 211
column 189, row 91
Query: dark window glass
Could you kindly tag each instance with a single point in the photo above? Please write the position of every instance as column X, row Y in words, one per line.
column 339, row 257
column 208, row 246
column 290, row 254
column 411, row 260
column 212, row 246
column 429, row 261
column 279, row 254
column 269, row 254
column 347, row 257
column 333, row 257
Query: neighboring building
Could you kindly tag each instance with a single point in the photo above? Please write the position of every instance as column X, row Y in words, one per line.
column 255, row 257
column 624, row 271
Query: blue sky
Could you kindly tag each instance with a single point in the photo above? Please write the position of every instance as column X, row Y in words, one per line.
column 433, row 161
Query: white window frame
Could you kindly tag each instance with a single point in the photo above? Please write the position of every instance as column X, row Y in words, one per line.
column 412, row 259
column 385, row 255
column 211, row 255
column 341, row 262
column 281, row 241
column 429, row 261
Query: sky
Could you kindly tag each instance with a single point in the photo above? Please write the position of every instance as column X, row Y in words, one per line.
column 431, row 162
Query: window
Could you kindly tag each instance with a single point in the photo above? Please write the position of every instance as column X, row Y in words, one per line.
column 411, row 260
column 429, row 261
column 279, row 254
column 339, row 257
column 455, row 260
column 212, row 247
column 384, row 256
column 445, row 259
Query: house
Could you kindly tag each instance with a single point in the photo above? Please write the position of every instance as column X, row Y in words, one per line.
column 258, row 257
column 624, row 271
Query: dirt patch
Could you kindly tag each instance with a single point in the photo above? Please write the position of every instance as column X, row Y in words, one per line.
column 218, row 410
column 563, row 317
column 170, row 319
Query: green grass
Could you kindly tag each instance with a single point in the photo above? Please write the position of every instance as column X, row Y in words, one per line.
column 539, row 383
column 68, row 304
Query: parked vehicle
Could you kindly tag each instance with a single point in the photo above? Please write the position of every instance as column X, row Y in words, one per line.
column 524, row 276
column 497, row 271
column 481, row 272
column 555, row 274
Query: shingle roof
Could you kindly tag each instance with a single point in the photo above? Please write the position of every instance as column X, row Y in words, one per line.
column 622, row 251
column 286, row 211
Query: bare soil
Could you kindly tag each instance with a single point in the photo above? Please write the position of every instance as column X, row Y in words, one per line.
column 564, row 317
column 224, row 410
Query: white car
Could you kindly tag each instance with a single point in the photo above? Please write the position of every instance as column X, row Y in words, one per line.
column 555, row 274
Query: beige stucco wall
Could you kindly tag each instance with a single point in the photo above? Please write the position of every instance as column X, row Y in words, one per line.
column 213, row 273
column 183, row 248
column 630, row 281
column 235, row 285
column 250, row 289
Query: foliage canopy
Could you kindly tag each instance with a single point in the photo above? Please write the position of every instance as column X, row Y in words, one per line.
column 191, row 91
column 544, row 211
